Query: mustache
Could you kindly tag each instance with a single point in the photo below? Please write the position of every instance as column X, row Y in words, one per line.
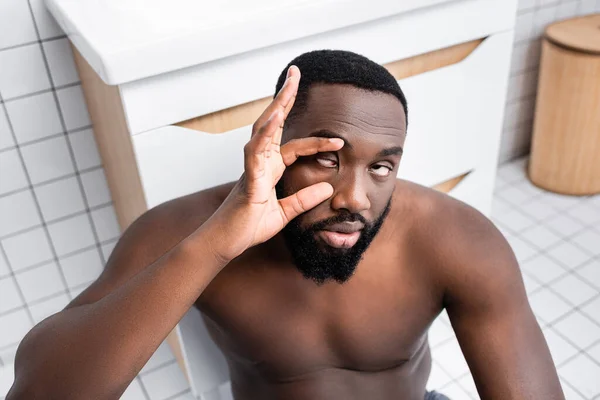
column 344, row 217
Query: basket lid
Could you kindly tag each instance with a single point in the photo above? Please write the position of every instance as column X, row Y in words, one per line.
column 579, row 34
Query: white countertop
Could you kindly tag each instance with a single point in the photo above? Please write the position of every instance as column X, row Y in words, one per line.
column 127, row 40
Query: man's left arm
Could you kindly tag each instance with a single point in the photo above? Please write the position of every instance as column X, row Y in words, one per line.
column 488, row 307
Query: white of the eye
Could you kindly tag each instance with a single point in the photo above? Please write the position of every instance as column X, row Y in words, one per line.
column 381, row 170
column 326, row 162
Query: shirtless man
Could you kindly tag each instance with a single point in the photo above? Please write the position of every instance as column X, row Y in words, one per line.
column 299, row 314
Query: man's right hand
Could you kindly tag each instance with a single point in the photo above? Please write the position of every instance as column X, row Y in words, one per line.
column 252, row 214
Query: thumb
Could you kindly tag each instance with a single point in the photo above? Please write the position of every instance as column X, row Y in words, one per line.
column 304, row 200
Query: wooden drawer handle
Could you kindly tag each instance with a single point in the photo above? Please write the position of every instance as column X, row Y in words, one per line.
column 451, row 183
column 245, row 114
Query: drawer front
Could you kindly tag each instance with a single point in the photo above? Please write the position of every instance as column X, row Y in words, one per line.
column 187, row 93
column 455, row 114
column 455, row 121
column 174, row 161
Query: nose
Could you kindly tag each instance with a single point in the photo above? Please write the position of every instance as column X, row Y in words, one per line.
column 350, row 193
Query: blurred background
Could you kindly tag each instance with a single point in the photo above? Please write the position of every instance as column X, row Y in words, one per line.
column 58, row 224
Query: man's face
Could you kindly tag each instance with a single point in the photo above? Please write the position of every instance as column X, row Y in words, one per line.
column 328, row 241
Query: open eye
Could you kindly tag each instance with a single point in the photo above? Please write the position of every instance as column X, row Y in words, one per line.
column 327, row 162
column 381, row 170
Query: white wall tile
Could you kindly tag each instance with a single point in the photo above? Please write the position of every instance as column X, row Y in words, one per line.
column 4, row 270
column 524, row 25
column 85, row 149
column 574, row 289
column 12, row 174
column 17, row 212
column 6, row 138
column 9, row 295
column 60, row 198
column 76, row 291
column 71, row 234
column 519, row 112
column 587, row 7
column 108, row 248
column 545, row 3
column 582, row 373
column 48, row 159
column 162, row 355
column 82, row 268
column 34, row 117
column 39, row 282
column 16, row 22
column 19, row 323
column 23, row 71
column 95, row 187
column 522, row 85
column 46, row 24
column 560, row 349
column 44, row 309
column 19, row 251
column 74, row 110
column 579, row 329
column 165, row 382
column 61, row 63
column 134, row 391
column 7, row 377
column 106, row 223
column 525, row 4
column 543, row 18
column 8, row 353
column 567, row 9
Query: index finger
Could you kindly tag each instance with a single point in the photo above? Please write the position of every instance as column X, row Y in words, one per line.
column 297, row 148
column 284, row 99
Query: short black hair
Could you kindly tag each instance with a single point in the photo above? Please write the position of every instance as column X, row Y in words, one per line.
column 339, row 66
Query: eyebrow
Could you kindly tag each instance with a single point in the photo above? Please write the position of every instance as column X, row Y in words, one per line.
column 391, row 151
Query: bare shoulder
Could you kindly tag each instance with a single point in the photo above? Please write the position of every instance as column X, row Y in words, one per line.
column 464, row 248
column 152, row 235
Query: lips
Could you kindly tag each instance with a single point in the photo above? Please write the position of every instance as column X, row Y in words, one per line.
column 343, row 235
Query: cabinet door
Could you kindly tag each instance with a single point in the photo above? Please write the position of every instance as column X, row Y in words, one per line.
column 175, row 161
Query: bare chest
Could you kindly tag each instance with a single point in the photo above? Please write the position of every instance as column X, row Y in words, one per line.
column 285, row 327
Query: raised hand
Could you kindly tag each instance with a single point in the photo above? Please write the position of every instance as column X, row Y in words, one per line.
column 252, row 214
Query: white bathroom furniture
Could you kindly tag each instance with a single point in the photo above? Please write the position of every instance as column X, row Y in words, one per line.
column 161, row 78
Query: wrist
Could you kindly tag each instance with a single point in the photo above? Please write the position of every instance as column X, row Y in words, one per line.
column 220, row 239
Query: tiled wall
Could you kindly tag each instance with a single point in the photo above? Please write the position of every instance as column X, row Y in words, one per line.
column 532, row 17
column 57, row 223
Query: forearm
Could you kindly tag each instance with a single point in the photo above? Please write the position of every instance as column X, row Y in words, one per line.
column 96, row 350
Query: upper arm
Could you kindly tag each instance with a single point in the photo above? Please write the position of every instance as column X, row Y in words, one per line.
column 147, row 239
column 488, row 307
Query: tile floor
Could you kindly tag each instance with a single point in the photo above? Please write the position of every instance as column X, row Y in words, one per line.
column 557, row 241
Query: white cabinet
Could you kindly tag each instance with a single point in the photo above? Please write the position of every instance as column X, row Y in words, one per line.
column 146, row 68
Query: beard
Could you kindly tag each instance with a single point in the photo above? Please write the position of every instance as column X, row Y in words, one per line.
column 320, row 262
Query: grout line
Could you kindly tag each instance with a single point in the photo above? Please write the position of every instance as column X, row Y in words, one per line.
column 19, row 290
column 16, row 46
column 43, row 91
column 47, row 182
column 51, row 136
column 157, row 367
column 564, row 381
column 10, row 345
column 62, row 256
column 188, row 390
column 60, row 219
column 144, row 390
column 70, row 148
column 38, row 210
